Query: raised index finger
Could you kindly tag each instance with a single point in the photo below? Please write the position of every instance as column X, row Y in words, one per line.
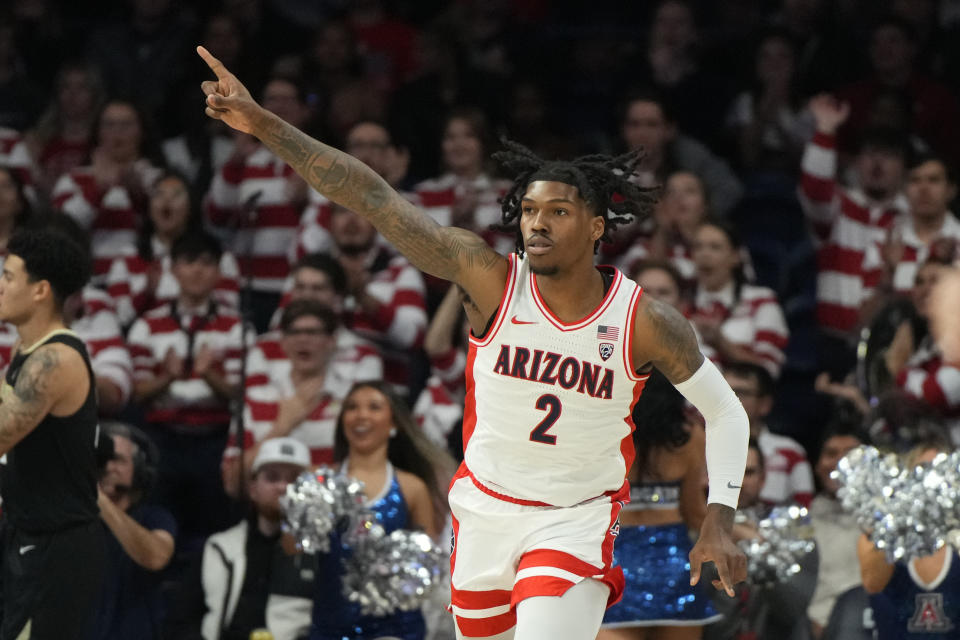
column 215, row 65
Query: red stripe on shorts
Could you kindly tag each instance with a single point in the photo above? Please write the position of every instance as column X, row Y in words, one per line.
column 479, row 599
column 484, row 627
column 559, row 560
column 539, row 586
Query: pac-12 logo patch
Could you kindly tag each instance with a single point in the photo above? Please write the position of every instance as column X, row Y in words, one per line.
column 606, row 350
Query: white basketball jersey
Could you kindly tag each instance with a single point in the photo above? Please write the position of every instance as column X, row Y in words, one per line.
column 547, row 416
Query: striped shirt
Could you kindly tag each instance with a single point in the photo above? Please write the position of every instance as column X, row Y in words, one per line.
column 846, row 225
column 399, row 322
column 261, row 181
column 269, row 382
column 915, row 252
column 354, row 360
column 111, row 214
column 128, row 281
column 755, row 322
column 440, row 197
column 439, row 407
column 789, row 477
column 190, row 400
column 927, row 377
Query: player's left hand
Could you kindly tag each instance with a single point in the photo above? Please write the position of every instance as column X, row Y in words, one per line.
column 716, row 545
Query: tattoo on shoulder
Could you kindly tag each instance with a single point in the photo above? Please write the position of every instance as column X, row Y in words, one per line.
column 34, row 379
column 678, row 352
column 25, row 404
column 471, row 249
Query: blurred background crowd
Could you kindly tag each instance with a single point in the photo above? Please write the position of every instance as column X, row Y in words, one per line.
column 806, row 151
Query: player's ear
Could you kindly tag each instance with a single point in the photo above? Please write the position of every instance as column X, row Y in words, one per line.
column 597, row 226
column 41, row 289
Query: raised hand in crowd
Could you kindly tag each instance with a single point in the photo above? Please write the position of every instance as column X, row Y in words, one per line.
column 828, row 112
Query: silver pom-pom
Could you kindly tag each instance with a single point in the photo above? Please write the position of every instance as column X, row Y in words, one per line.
column 906, row 512
column 395, row 572
column 320, row 501
column 785, row 537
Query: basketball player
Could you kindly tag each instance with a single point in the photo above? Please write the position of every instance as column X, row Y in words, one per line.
column 559, row 353
column 53, row 549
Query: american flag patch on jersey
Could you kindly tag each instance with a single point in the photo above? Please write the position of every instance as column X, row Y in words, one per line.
column 605, row 332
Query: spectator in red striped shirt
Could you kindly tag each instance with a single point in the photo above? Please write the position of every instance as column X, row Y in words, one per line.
column 187, row 358
column 317, row 277
column 681, row 210
column 736, row 321
column 466, row 194
column 301, row 403
column 60, row 140
column 256, row 200
column 142, row 278
column 109, row 197
column 931, row 187
column 916, row 362
column 385, row 294
column 789, row 477
column 847, row 222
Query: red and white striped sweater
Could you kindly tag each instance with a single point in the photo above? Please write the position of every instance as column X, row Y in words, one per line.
column 128, row 278
column 268, row 382
column 189, row 401
column 110, row 214
column 928, row 378
column 845, row 225
column 400, row 321
column 262, row 239
column 754, row 322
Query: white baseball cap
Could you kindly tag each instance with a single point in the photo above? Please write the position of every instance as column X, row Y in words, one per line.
column 282, row 450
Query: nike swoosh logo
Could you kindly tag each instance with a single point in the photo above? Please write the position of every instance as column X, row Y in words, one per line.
column 515, row 321
column 27, row 548
column 730, row 485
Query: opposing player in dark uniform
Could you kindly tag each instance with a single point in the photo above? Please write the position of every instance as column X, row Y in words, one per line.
column 53, row 547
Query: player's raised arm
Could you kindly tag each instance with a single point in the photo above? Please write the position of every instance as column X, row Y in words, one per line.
column 446, row 252
column 665, row 339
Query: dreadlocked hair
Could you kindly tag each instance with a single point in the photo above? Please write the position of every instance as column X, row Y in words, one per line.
column 602, row 181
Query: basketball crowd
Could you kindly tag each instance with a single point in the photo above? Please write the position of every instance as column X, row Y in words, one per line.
column 806, row 151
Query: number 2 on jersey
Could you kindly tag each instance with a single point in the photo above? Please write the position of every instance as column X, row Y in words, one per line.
column 551, row 404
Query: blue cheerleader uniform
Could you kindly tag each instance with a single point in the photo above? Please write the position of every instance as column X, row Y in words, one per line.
column 335, row 618
column 908, row 608
column 656, row 565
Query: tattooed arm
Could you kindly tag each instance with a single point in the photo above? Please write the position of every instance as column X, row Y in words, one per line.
column 663, row 338
column 47, row 378
column 446, row 252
